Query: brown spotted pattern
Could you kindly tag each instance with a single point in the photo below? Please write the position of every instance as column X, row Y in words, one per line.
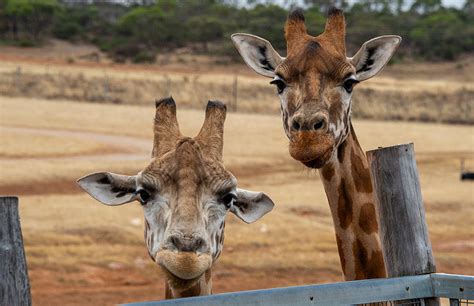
column 344, row 205
column 352, row 206
column 328, row 172
column 314, row 69
column 200, row 287
column 341, row 251
column 314, row 83
column 185, row 193
column 368, row 218
column 314, row 114
column 361, row 173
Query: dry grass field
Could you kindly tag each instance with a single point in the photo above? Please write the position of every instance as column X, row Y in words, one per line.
column 80, row 252
column 66, row 111
column 441, row 92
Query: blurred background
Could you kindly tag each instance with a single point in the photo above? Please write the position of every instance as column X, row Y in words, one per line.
column 78, row 80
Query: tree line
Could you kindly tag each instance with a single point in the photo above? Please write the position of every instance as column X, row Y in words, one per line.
column 137, row 30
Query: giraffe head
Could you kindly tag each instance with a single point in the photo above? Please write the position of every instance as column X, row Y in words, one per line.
column 315, row 81
column 185, row 193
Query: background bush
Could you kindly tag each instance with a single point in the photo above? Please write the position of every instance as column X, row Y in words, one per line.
column 137, row 31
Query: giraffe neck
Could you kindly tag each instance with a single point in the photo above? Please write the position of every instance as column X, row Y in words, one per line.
column 203, row 286
column 346, row 180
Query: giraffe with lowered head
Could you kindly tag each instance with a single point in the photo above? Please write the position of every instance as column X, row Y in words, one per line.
column 185, row 193
column 315, row 83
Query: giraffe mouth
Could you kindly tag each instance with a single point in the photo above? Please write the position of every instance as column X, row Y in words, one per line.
column 311, row 149
column 315, row 163
column 318, row 162
column 184, row 265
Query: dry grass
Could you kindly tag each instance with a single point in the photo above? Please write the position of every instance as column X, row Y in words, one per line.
column 76, row 247
column 19, row 143
column 399, row 93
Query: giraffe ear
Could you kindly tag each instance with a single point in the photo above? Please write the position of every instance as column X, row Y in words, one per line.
column 373, row 55
column 257, row 53
column 251, row 206
column 109, row 188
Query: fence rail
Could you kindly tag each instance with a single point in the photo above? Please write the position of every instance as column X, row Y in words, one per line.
column 454, row 287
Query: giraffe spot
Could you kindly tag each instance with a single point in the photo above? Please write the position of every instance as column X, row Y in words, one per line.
column 368, row 218
column 193, row 291
column 361, row 259
column 360, row 173
column 285, row 119
column 376, row 267
column 341, row 151
column 335, row 110
column 340, row 250
column 365, row 267
column 344, row 205
column 328, row 172
column 208, row 275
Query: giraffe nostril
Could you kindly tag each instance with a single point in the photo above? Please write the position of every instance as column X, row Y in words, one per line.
column 296, row 125
column 198, row 244
column 174, row 240
column 319, row 125
column 187, row 244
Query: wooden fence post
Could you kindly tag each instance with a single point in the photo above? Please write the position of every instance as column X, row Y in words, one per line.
column 14, row 283
column 403, row 230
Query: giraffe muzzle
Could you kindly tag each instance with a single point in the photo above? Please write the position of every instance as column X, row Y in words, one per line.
column 184, row 265
column 311, row 149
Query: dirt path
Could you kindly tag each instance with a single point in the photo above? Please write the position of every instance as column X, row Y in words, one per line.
column 128, row 148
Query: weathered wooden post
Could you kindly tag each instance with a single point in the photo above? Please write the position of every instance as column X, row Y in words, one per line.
column 403, row 230
column 14, row 283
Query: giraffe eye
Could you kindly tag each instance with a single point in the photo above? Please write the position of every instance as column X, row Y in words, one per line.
column 228, row 199
column 349, row 84
column 143, row 196
column 279, row 84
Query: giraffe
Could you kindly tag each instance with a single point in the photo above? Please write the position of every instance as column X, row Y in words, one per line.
column 315, row 83
column 186, row 193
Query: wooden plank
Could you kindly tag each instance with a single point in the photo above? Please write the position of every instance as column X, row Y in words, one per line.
column 403, row 230
column 344, row 293
column 453, row 286
column 14, row 283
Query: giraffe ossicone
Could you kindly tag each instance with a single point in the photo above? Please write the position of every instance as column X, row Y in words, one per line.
column 186, row 193
column 315, row 82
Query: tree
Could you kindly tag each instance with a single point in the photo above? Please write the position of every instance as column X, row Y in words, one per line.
column 34, row 16
column 426, row 6
column 441, row 35
column 77, row 22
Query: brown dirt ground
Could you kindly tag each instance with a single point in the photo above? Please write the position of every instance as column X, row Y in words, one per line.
column 74, row 246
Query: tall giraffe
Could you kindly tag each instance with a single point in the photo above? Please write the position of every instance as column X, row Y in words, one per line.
column 315, row 83
column 185, row 193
